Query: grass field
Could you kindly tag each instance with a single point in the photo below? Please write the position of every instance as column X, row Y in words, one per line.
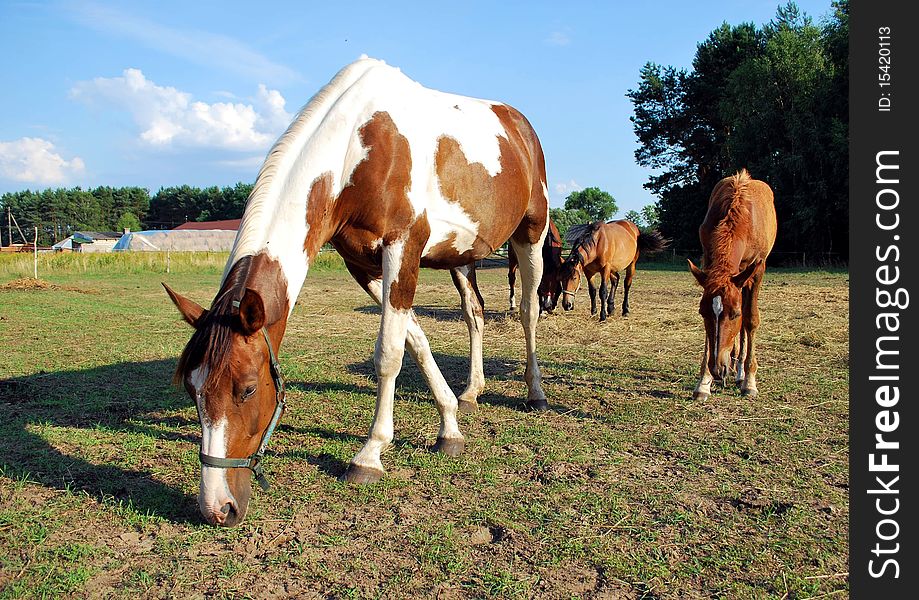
column 626, row 489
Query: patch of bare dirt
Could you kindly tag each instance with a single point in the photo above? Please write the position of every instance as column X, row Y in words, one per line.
column 31, row 284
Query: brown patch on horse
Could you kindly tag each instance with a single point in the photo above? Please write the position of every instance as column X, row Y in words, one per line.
column 319, row 205
column 402, row 290
column 218, row 327
column 523, row 137
column 373, row 206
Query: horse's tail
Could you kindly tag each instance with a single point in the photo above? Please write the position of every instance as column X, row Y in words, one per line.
column 652, row 241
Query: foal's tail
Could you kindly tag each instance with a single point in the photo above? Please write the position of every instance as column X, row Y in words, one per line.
column 652, row 241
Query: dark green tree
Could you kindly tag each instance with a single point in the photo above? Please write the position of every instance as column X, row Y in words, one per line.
column 598, row 205
column 564, row 218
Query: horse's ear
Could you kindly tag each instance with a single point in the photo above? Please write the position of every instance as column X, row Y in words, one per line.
column 742, row 278
column 191, row 310
column 251, row 312
column 698, row 273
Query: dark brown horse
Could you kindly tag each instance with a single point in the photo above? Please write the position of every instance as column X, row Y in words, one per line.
column 607, row 249
column 737, row 235
column 396, row 177
column 549, row 287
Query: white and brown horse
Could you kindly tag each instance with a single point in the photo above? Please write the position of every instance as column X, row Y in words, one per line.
column 396, row 177
column 607, row 249
column 737, row 235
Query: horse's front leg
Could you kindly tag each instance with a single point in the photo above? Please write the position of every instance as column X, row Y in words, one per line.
column 400, row 276
column 592, row 291
column 530, row 256
column 604, row 293
column 473, row 314
column 703, row 389
column 751, row 325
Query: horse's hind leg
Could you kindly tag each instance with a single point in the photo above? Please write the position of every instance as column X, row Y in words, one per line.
column 530, row 258
column 511, row 275
column 629, row 274
column 614, row 285
column 473, row 314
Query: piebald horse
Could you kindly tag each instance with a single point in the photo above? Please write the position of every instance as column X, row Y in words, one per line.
column 549, row 287
column 607, row 249
column 396, row 177
column 737, row 235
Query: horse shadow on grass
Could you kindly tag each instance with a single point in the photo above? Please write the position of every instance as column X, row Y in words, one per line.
column 440, row 313
column 120, row 398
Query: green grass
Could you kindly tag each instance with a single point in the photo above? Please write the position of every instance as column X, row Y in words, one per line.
column 627, row 487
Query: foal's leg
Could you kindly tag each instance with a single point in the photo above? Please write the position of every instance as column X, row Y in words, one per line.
column 629, row 274
column 592, row 291
column 751, row 324
column 703, row 389
column 738, row 352
column 473, row 313
column 604, row 293
column 530, row 257
column 511, row 275
column 614, row 284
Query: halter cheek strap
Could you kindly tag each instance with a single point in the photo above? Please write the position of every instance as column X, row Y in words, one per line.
column 253, row 461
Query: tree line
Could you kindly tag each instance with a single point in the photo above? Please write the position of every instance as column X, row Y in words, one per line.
column 773, row 99
column 60, row 212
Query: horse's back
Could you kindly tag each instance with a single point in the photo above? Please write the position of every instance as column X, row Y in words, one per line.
column 472, row 169
column 750, row 204
column 621, row 243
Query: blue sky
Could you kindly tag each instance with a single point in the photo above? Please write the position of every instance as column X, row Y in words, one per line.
column 168, row 93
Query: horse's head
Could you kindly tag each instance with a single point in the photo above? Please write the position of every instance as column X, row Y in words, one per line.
column 721, row 309
column 226, row 369
column 569, row 276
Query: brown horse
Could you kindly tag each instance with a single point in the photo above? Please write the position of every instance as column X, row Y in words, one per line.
column 737, row 235
column 549, row 287
column 396, row 177
column 607, row 249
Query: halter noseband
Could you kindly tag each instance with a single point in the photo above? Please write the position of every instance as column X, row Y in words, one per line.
column 253, row 462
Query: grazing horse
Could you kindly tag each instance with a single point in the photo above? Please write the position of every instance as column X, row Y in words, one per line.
column 549, row 287
column 737, row 235
column 396, row 177
column 605, row 248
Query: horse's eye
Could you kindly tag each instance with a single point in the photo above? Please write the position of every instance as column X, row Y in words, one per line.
column 248, row 393
column 734, row 315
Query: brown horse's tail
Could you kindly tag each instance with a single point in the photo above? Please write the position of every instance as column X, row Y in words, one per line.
column 652, row 241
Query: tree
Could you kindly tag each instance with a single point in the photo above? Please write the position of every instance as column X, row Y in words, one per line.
column 651, row 216
column 129, row 221
column 564, row 218
column 598, row 205
column 635, row 217
column 770, row 99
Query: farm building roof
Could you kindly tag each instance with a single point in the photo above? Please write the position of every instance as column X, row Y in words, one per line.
column 212, row 240
column 228, row 224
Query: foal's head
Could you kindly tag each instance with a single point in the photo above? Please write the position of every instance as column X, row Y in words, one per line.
column 721, row 308
column 225, row 368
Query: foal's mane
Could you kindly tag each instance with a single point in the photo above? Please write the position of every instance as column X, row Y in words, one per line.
column 209, row 345
column 582, row 237
column 734, row 225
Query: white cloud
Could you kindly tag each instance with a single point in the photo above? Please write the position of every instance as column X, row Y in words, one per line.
column 35, row 160
column 558, row 38
column 168, row 117
column 199, row 47
column 566, row 187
